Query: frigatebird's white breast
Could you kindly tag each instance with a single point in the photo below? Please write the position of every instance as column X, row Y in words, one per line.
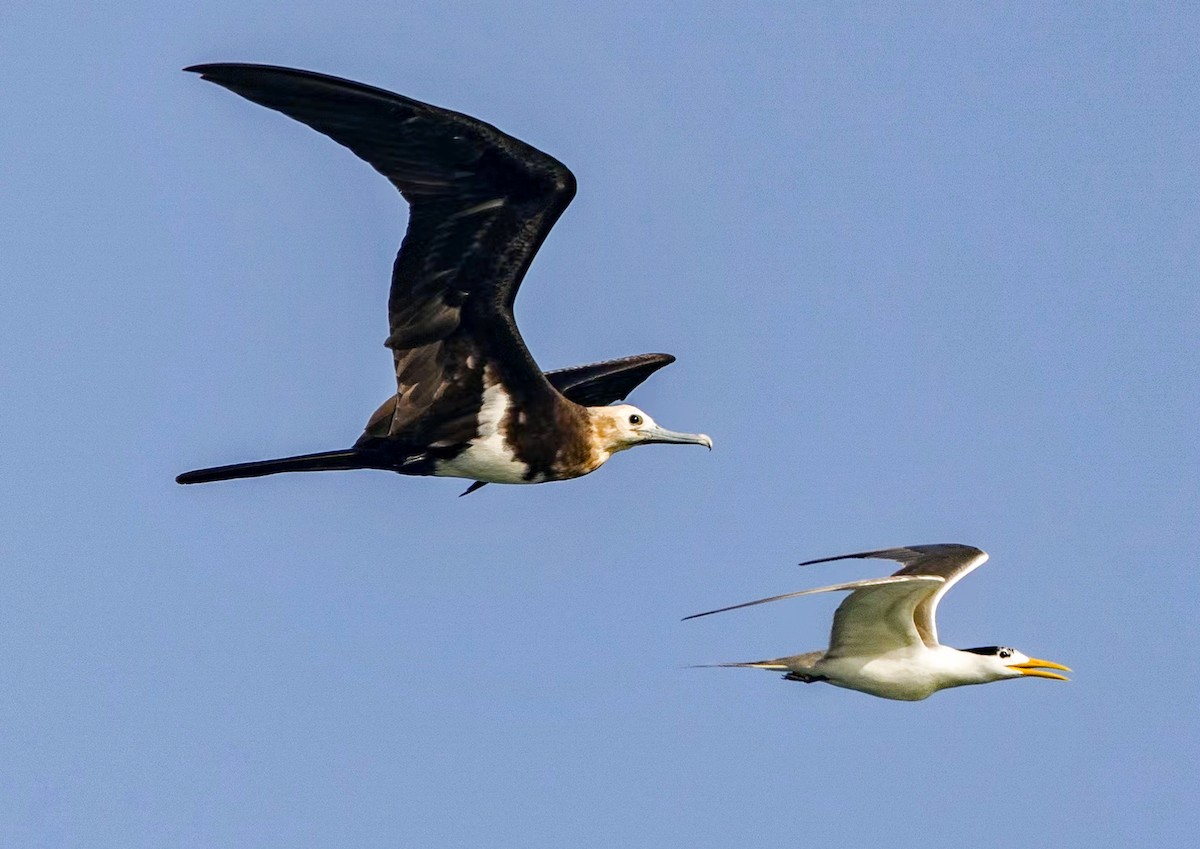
column 470, row 401
column 884, row 635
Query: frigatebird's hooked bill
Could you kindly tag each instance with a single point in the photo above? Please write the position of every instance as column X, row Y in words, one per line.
column 884, row 639
column 470, row 401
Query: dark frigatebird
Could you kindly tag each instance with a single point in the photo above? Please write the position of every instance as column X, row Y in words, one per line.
column 470, row 401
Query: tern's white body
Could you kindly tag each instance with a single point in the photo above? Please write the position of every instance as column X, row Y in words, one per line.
column 909, row 674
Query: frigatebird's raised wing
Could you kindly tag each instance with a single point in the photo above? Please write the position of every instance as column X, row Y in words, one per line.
column 481, row 203
column 948, row 561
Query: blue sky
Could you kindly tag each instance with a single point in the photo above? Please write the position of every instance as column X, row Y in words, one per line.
column 931, row 276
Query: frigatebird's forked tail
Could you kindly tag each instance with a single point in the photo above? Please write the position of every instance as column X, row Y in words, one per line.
column 325, row 461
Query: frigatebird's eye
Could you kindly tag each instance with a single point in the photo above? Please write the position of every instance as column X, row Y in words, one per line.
column 635, row 419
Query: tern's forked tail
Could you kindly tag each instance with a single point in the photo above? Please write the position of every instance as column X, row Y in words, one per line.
column 750, row 664
column 799, row 664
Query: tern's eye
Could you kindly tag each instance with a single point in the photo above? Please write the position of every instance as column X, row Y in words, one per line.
column 1005, row 653
column 635, row 419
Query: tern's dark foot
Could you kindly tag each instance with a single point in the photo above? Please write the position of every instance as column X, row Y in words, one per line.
column 801, row 676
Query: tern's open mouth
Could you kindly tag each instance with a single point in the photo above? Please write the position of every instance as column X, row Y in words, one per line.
column 1037, row 669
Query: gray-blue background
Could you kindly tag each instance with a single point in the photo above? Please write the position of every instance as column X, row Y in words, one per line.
column 931, row 274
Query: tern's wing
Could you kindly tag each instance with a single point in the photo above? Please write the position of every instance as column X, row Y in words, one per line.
column 878, row 619
column 948, row 561
column 851, row 585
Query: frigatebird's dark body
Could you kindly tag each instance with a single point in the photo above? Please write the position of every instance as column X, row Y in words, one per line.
column 470, row 402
